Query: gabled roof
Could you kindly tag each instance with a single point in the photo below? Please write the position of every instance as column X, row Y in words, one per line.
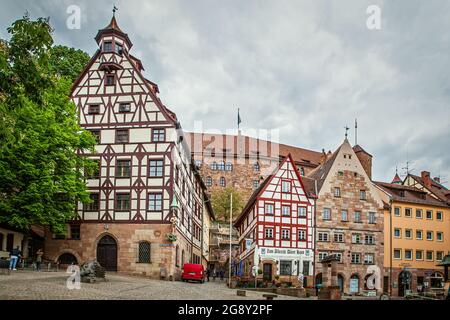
column 307, row 184
column 437, row 189
column 251, row 201
column 320, row 173
column 410, row 194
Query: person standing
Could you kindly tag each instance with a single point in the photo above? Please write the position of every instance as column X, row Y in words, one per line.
column 207, row 274
column 39, row 255
column 214, row 274
column 222, row 273
column 14, row 255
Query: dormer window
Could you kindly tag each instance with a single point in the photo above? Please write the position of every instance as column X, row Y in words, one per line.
column 119, row 48
column 107, row 46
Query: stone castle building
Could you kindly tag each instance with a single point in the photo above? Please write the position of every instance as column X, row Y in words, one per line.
column 147, row 210
column 243, row 162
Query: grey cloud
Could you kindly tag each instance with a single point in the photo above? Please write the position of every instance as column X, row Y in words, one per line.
column 307, row 68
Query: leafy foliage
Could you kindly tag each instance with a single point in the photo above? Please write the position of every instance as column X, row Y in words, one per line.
column 41, row 170
column 221, row 204
column 67, row 62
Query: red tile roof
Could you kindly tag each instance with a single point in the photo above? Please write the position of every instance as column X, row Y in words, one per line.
column 223, row 143
column 410, row 194
column 436, row 188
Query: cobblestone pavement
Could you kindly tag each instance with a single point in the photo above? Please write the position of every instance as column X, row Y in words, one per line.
column 26, row 285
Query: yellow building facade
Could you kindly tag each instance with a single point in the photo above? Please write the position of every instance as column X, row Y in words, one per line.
column 416, row 239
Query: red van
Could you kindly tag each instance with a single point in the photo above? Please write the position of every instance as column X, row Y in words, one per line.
column 193, row 272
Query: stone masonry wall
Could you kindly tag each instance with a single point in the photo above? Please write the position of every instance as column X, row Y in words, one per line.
column 350, row 184
column 127, row 237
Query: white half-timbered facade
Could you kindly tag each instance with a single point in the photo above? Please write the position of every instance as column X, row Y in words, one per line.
column 146, row 187
column 278, row 221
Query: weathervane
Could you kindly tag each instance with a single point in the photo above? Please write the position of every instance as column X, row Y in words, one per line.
column 114, row 10
column 346, row 131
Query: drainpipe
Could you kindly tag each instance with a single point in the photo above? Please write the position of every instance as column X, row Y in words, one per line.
column 391, row 252
column 203, row 226
column 315, row 233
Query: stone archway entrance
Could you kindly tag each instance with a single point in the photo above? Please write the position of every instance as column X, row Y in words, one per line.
column 107, row 253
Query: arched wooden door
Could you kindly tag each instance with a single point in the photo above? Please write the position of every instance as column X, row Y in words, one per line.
column 107, row 253
column 267, row 272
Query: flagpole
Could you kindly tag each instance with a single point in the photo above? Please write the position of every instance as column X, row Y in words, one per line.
column 231, row 219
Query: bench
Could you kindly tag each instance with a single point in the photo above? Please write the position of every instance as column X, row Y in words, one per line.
column 270, row 296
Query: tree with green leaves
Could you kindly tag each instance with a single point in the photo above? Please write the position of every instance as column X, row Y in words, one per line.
column 42, row 174
column 221, row 203
column 67, row 62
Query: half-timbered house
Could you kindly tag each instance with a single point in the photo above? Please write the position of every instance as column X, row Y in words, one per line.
column 147, row 197
column 278, row 222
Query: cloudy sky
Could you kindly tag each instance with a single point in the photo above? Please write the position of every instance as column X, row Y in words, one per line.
column 305, row 68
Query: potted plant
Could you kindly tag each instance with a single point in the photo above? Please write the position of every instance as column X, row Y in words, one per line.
column 171, row 237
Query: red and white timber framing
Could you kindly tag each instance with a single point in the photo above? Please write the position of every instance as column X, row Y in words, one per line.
column 287, row 236
column 145, row 114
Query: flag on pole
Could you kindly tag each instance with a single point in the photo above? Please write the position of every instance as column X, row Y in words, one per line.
column 239, row 119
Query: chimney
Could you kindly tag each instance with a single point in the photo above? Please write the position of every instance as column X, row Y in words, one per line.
column 437, row 179
column 426, row 178
column 323, row 157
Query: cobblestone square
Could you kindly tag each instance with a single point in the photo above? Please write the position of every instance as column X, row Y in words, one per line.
column 28, row 285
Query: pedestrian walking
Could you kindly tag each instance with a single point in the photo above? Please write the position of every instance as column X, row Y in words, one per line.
column 208, row 272
column 214, row 275
column 222, row 273
column 39, row 255
column 14, row 255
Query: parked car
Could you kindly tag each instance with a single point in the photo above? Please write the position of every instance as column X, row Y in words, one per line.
column 194, row 272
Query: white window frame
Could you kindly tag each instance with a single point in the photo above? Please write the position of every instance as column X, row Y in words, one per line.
column 340, row 237
column 406, row 233
column 301, row 235
column 285, row 232
column 268, row 231
column 283, row 214
column 421, row 234
column 412, row 253
column 371, row 260
column 355, row 254
column 303, row 210
column 421, row 259
column 400, row 257
column 324, row 216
